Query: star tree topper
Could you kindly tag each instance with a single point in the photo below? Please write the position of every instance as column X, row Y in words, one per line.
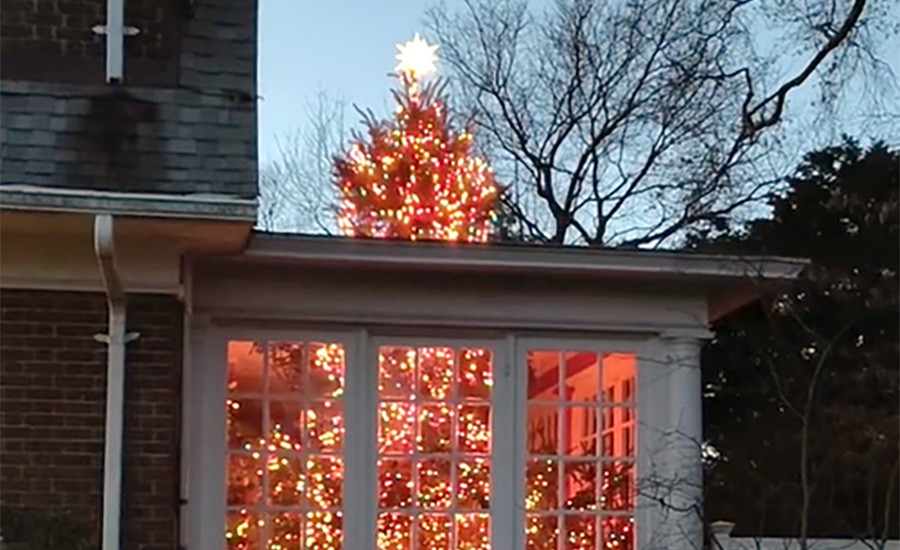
column 416, row 58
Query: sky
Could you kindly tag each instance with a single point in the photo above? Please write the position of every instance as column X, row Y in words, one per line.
column 346, row 49
column 342, row 47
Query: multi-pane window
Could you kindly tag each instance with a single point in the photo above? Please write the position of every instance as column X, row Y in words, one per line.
column 579, row 484
column 434, row 448
column 285, row 427
column 420, row 469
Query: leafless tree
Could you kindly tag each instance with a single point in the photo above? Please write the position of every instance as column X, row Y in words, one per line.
column 627, row 122
column 296, row 190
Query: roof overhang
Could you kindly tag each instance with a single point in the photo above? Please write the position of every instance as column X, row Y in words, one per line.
column 36, row 199
column 46, row 235
column 728, row 281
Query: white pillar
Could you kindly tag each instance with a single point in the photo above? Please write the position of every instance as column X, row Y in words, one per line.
column 682, row 495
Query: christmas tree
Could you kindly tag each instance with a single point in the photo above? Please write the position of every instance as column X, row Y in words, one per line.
column 414, row 177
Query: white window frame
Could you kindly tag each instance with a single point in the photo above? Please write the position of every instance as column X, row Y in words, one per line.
column 640, row 347
column 205, row 461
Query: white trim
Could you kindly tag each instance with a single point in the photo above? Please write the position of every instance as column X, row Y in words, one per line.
column 601, row 344
column 89, row 201
column 520, row 258
column 438, row 322
column 357, row 414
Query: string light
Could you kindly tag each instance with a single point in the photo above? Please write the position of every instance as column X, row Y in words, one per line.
column 433, row 470
column 415, row 178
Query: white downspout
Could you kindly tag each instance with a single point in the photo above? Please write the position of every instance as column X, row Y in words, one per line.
column 104, row 246
column 115, row 31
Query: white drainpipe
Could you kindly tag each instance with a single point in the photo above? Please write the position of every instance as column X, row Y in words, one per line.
column 104, row 246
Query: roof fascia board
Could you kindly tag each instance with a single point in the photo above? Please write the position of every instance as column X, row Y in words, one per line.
column 53, row 199
column 486, row 258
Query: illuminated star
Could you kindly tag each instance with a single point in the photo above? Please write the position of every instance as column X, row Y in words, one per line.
column 416, row 57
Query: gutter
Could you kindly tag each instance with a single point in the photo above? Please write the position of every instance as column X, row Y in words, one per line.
column 104, row 247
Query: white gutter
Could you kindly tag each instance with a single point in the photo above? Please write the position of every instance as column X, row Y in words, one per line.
column 104, row 246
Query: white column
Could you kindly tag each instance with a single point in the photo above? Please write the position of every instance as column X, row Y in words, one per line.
column 682, row 467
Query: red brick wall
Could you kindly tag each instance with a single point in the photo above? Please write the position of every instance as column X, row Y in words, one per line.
column 52, row 407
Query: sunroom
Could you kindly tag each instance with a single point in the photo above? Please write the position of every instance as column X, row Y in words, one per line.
column 351, row 393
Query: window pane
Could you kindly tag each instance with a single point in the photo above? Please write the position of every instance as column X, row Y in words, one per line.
column 541, row 532
column 618, row 426
column 434, row 484
column 325, row 426
column 245, row 425
column 582, row 376
column 286, row 424
column 245, row 367
column 244, row 480
column 618, row 533
column 395, row 483
column 582, row 432
column 475, row 376
column 286, row 531
column 286, row 367
column 474, row 428
column 394, row 532
column 618, row 486
column 285, row 480
column 396, row 372
column 619, row 377
column 580, row 485
column 542, row 484
column 433, row 532
column 543, row 429
column 326, row 481
column 473, row 484
column 581, row 532
column 473, row 531
column 543, row 375
column 324, row 530
column 326, row 371
column 395, row 433
column 435, row 373
column 242, row 530
column 435, row 427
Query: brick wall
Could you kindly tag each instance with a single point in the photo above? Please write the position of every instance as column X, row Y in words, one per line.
column 190, row 130
column 52, row 40
column 52, row 389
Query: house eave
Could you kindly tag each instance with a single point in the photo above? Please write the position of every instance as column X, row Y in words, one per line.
column 158, row 205
column 530, row 259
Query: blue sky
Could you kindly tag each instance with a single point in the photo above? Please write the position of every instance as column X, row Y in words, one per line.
column 343, row 47
column 346, row 48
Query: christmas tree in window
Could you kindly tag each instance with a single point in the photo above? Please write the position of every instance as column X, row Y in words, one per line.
column 415, row 177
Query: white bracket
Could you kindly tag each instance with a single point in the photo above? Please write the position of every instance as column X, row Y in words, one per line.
column 129, row 337
column 127, row 31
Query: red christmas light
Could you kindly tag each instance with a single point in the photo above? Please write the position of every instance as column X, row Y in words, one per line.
column 415, row 177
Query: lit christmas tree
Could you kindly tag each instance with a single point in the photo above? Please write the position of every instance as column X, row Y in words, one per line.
column 415, row 178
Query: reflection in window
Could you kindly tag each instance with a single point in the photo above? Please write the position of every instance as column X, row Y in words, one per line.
column 285, row 439
column 580, row 471
column 434, row 445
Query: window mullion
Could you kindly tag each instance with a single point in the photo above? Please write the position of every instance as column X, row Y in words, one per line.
column 359, row 464
column 507, row 448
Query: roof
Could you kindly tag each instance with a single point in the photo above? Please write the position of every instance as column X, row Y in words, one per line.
column 516, row 258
